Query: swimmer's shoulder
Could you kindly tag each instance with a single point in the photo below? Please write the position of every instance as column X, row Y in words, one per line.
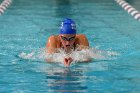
column 81, row 39
column 80, row 36
column 53, row 41
column 53, row 37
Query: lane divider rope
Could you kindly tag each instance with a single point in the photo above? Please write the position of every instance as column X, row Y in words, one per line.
column 4, row 5
column 130, row 9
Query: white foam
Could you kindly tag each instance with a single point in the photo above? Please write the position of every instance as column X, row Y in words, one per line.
column 78, row 56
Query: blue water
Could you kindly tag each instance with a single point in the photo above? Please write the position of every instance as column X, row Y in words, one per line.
column 26, row 25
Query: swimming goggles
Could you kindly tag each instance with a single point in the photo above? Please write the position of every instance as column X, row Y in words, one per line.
column 68, row 39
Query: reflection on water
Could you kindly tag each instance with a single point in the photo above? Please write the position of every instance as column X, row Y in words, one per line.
column 65, row 80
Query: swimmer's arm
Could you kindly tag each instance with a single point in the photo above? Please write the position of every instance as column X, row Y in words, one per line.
column 51, row 44
column 82, row 42
column 51, row 47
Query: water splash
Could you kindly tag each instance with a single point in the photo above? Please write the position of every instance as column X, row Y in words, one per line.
column 78, row 56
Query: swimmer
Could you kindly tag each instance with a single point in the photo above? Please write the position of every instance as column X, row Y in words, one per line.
column 67, row 40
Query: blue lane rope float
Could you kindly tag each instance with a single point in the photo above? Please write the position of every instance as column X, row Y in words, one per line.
column 130, row 9
column 4, row 5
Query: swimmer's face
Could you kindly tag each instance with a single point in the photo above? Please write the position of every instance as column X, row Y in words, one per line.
column 67, row 40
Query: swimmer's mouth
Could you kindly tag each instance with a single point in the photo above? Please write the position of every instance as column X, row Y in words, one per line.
column 67, row 45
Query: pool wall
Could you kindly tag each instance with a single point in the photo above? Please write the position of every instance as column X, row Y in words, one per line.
column 130, row 9
column 4, row 5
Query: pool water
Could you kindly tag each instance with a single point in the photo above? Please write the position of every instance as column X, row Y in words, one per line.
column 134, row 3
column 25, row 27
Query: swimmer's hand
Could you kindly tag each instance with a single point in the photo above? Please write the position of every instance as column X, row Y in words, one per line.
column 67, row 61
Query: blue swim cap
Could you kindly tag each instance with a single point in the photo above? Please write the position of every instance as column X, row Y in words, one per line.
column 68, row 27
